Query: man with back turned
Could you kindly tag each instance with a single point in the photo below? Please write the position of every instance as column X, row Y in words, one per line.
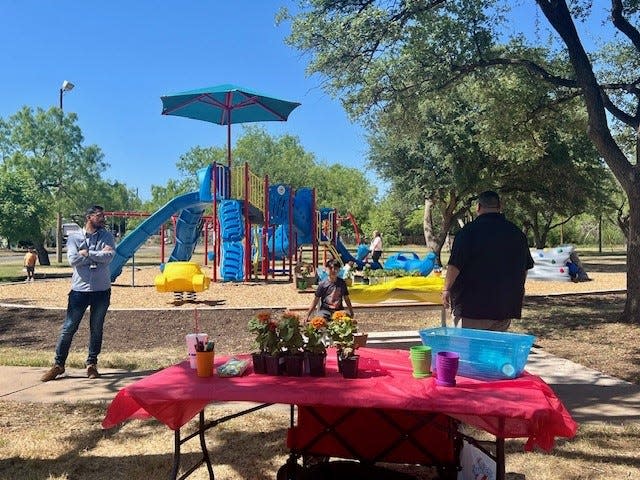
column 487, row 269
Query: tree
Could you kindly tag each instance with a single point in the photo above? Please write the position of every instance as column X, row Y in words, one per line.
column 364, row 47
column 44, row 150
column 23, row 209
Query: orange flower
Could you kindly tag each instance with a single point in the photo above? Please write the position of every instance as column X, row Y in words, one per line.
column 264, row 317
column 289, row 315
column 339, row 315
column 318, row 322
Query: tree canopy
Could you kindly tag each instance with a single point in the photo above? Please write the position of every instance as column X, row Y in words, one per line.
column 45, row 167
column 373, row 52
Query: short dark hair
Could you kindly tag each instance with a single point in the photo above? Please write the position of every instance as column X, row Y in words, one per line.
column 333, row 263
column 489, row 199
column 92, row 210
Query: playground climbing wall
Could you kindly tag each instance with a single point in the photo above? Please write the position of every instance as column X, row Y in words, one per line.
column 551, row 264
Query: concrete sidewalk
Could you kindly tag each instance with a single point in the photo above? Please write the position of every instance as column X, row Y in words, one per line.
column 589, row 395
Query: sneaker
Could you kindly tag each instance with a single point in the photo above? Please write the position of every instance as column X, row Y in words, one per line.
column 55, row 371
column 92, row 371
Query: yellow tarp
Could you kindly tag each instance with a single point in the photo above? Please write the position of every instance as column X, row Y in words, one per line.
column 419, row 289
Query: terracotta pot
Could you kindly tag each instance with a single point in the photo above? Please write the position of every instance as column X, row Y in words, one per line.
column 360, row 339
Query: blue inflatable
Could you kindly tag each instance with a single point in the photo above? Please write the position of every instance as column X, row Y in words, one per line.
column 410, row 262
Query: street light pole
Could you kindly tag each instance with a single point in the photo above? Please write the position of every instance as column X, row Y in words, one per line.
column 66, row 87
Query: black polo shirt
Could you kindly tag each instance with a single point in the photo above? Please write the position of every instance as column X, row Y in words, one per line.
column 493, row 257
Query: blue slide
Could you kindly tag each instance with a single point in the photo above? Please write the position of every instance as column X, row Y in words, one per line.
column 346, row 255
column 191, row 209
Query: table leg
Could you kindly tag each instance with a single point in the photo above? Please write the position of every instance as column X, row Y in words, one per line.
column 203, row 446
column 202, row 428
column 500, row 459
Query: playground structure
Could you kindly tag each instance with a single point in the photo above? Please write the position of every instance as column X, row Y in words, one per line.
column 557, row 264
column 410, row 262
column 256, row 229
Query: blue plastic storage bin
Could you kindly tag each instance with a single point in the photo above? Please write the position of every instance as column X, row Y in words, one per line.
column 484, row 355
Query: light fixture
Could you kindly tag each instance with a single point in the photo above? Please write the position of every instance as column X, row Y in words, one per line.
column 66, row 86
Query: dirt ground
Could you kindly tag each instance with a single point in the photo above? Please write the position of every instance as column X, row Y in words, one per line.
column 136, row 290
column 141, row 318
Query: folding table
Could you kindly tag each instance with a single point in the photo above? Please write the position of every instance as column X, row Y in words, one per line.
column 384, row 394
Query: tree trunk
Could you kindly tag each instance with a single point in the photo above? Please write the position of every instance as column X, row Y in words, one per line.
column 433, row 241
column 632, row 305
column 427, row 224
column 43, row 255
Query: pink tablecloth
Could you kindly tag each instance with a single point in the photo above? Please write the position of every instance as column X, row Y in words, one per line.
column 522, row 408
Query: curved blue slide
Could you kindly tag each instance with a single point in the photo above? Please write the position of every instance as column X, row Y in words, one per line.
column 346, row 255
column 190, row 207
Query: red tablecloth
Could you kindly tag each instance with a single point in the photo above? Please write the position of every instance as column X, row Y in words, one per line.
column 522, row 408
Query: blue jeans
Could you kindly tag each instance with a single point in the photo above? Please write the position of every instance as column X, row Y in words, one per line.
column 77, row 305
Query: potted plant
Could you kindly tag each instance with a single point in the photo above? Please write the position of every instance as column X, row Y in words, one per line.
column 342, row 330
column 366, row 273
column 315, row 348
column 291, row 342
column 265, row 329
column 303, row 276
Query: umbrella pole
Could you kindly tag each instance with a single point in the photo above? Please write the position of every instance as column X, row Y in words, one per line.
column 229, row 142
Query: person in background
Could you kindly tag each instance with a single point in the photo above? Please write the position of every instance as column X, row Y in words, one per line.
column 332, row 294
column 487, row 269
column 376, row 247
column 89, row 252
column 30, row 264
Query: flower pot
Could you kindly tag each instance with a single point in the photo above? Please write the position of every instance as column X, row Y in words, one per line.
column 360, row 339
column 258, row 362
column 294, row 365
column 350, row 366
column 204, row 364
column 272, row 364
column 302, row 283
column 317, row 364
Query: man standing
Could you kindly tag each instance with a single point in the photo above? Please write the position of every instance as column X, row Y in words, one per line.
column 90, row 252
column 30, row 264
column 487, row 269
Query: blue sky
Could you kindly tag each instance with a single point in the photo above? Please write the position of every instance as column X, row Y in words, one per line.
column 123, row 55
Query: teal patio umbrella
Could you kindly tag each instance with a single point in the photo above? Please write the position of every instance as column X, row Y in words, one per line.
column 227, row 104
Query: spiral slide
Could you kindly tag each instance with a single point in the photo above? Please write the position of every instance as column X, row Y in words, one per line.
column 232, row 233
column 190, row 207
